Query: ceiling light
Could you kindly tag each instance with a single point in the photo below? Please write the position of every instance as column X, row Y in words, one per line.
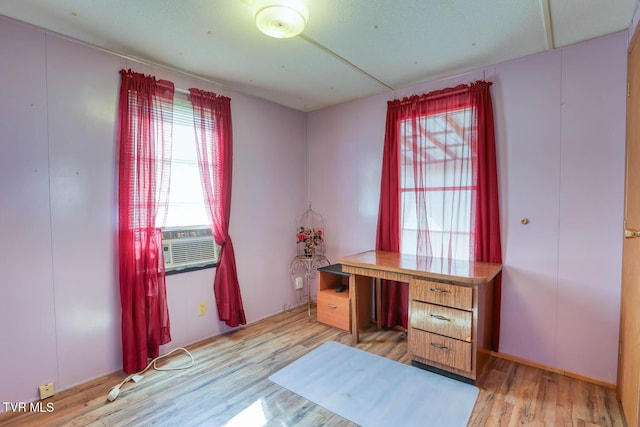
column 281, row 19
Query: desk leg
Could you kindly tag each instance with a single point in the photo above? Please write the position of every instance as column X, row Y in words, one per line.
column 353, row 297
column 378, row 303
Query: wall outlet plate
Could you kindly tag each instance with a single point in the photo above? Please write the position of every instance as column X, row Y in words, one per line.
column 299, row 282
column 46, row 390
column 202, row 308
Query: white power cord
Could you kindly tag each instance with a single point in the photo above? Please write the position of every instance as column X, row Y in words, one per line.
column 115, row 391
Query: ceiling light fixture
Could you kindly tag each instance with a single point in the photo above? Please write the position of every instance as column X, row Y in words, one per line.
column 282, row 19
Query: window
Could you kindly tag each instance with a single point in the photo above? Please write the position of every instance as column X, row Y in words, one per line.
column 186, row 235
column 437, row 185
column 186, row 202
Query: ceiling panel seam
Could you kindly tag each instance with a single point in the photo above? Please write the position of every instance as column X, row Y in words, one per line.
column 548, row 26
column 342, row 59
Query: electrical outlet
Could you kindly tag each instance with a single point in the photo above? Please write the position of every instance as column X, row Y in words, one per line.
column 202, row 308
column 298, row 282
column 46, row 390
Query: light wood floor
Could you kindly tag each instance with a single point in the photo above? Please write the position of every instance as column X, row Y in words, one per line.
column 230, row 380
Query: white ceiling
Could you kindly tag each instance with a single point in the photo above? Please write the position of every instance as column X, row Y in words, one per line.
column 349, row 49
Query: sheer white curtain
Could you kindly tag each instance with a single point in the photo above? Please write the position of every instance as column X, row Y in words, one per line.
column 437, row 185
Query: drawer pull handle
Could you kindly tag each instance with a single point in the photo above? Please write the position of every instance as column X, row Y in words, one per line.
column 440, row 291
column 439, row 317
column 439, row 346
column 332, row 306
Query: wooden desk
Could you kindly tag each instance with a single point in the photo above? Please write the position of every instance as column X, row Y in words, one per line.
column 450, row 305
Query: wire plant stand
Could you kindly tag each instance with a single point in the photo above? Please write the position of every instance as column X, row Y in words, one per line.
column 306, row 267
column 310, row 240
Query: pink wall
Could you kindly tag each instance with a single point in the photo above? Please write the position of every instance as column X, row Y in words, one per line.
column 27, row 334
column 560, row 128
column 562, row 303
column 59, row 302
column 591, row 205
column 527, row 100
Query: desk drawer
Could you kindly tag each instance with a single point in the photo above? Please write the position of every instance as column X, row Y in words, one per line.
column 334, row 309
column 459, row 296
column 446, row 321
column 439, row 349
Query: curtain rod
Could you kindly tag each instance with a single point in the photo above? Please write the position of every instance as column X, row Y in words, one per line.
column 440, row 93
column 431, row 96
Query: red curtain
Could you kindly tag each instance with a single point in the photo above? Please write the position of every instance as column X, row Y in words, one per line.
column 394, row 295
column 472, row 146
column 144, row 140
column 214, row 143
column 487, row 213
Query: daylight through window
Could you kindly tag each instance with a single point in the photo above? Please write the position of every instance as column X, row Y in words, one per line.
column 437, row 188
column 187, row 239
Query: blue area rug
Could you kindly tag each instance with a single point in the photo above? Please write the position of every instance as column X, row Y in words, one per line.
column 370, row 390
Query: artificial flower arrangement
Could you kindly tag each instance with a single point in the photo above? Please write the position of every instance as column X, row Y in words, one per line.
column 311, row 238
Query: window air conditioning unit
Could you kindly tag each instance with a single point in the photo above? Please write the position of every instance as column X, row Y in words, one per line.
column 188, row 247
